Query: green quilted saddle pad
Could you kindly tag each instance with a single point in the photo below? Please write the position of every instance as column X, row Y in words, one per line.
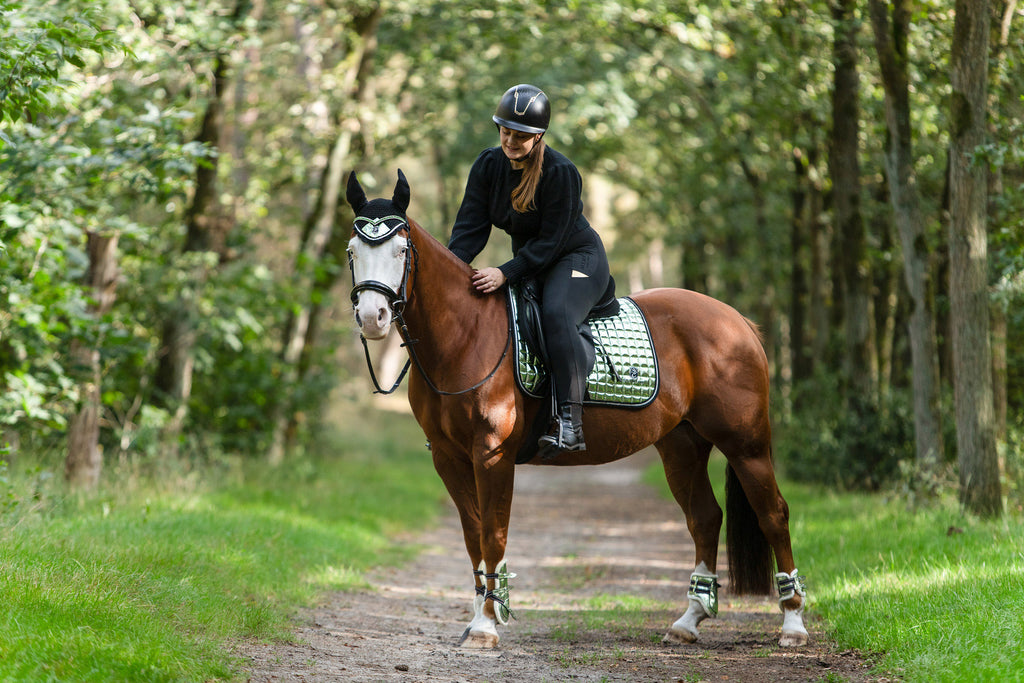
column 626, row 369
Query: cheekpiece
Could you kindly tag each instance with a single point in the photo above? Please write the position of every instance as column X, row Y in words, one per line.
column 377, row 230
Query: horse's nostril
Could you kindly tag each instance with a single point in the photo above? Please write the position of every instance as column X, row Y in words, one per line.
column 381, row 314
column 359, row 320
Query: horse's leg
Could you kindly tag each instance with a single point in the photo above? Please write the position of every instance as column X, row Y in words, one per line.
column 494, row 475
column 751, row 460
column 460, row 480
column 684, row 453
column 482, row 492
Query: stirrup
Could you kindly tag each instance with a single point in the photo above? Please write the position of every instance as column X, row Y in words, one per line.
column 567, row 422
column 558, row 441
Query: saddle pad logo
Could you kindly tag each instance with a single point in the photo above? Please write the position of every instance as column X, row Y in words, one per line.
column 626, row 369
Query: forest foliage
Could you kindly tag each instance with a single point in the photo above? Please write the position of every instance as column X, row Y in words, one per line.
column 205, row 140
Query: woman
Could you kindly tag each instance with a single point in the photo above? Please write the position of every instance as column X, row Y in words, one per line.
column 533, row 193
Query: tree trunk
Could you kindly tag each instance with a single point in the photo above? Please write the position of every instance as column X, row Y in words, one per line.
column 1000, row 36
column 800, row 360
column 980, row 491
column 820, row 285
column 765, row 307
column 323, row 282
column 207, row 227
column 999, row 369
column 318, row 233
column 859, row 368
column 891, row 45
column 84, row 461
column 886, row 303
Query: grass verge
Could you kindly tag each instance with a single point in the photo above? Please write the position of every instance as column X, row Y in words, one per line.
column 931, row 594
column 154, row 585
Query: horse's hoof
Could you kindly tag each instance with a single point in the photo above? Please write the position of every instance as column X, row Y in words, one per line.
column 478, row 640
column 793, row 639
column 794, row 634
column 679, row 635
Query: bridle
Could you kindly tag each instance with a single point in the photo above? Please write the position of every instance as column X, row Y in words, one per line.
column 397, row 301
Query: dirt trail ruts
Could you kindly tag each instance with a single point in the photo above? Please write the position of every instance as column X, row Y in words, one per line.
column 581, row 538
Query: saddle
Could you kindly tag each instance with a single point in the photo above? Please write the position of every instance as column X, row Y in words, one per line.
column 620, row 351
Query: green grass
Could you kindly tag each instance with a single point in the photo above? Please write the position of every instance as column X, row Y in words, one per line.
column 153, row 585
column 931, row 594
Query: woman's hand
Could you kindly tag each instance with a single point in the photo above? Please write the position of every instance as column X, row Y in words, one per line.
column 487, row 280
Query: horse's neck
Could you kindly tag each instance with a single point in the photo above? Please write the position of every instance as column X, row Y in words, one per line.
column 444, row 313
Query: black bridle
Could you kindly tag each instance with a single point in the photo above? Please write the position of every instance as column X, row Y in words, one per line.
column 397, row 300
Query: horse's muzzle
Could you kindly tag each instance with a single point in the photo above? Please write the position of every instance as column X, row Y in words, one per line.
column 373, row 315
column 372, row 303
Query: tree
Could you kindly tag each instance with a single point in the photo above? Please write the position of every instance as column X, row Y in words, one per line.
column 980, row 490
column 43, row 46
column 321, row 239
column 38, row 41
column 84, row 460
column 1004, row 55
column 891, row 39
column 207, row 225
column 706, row 134
column 860, row 366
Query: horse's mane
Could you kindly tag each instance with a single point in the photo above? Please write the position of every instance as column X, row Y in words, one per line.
column 442, row 249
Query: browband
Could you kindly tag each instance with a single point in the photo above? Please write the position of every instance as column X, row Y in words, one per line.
column 376, row 230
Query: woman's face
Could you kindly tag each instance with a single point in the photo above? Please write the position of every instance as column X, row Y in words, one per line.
column 516, row 144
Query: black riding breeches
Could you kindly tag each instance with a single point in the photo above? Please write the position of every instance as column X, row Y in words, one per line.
column 571, row 288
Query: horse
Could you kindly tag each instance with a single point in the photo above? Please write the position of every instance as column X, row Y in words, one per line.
column 713, row 392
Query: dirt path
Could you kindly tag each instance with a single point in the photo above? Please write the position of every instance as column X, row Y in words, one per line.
column 583, row 540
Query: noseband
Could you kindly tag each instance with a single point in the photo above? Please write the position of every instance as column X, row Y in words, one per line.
column 397, row 301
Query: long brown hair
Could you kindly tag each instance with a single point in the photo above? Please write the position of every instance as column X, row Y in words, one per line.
column 523, row 195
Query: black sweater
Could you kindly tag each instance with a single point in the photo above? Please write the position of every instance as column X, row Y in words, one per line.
column 541, row 235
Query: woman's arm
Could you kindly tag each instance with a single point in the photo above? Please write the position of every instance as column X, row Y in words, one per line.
column 473, row 222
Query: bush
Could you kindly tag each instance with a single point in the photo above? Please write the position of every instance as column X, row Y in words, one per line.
column 859, row 445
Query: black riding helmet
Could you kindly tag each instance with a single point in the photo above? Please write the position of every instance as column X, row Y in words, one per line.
column 524, row 108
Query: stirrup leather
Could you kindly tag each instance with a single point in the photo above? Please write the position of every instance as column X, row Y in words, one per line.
column 502, row 605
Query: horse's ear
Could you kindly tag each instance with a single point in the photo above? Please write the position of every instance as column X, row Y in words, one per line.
column 401, row 198
column 354, row 193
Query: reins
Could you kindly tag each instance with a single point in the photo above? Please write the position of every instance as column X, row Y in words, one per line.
column 398, row 301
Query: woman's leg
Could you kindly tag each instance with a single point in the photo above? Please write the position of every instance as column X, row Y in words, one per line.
column 572, row 287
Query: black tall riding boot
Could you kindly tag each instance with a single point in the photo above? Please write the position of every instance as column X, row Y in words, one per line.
column 566, row 433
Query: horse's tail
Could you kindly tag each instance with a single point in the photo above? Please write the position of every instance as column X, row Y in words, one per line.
column 751, row 561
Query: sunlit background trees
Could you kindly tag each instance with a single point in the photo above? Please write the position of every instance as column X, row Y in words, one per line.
column 172, row 226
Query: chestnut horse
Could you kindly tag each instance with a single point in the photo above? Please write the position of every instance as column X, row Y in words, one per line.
column 713, row 392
